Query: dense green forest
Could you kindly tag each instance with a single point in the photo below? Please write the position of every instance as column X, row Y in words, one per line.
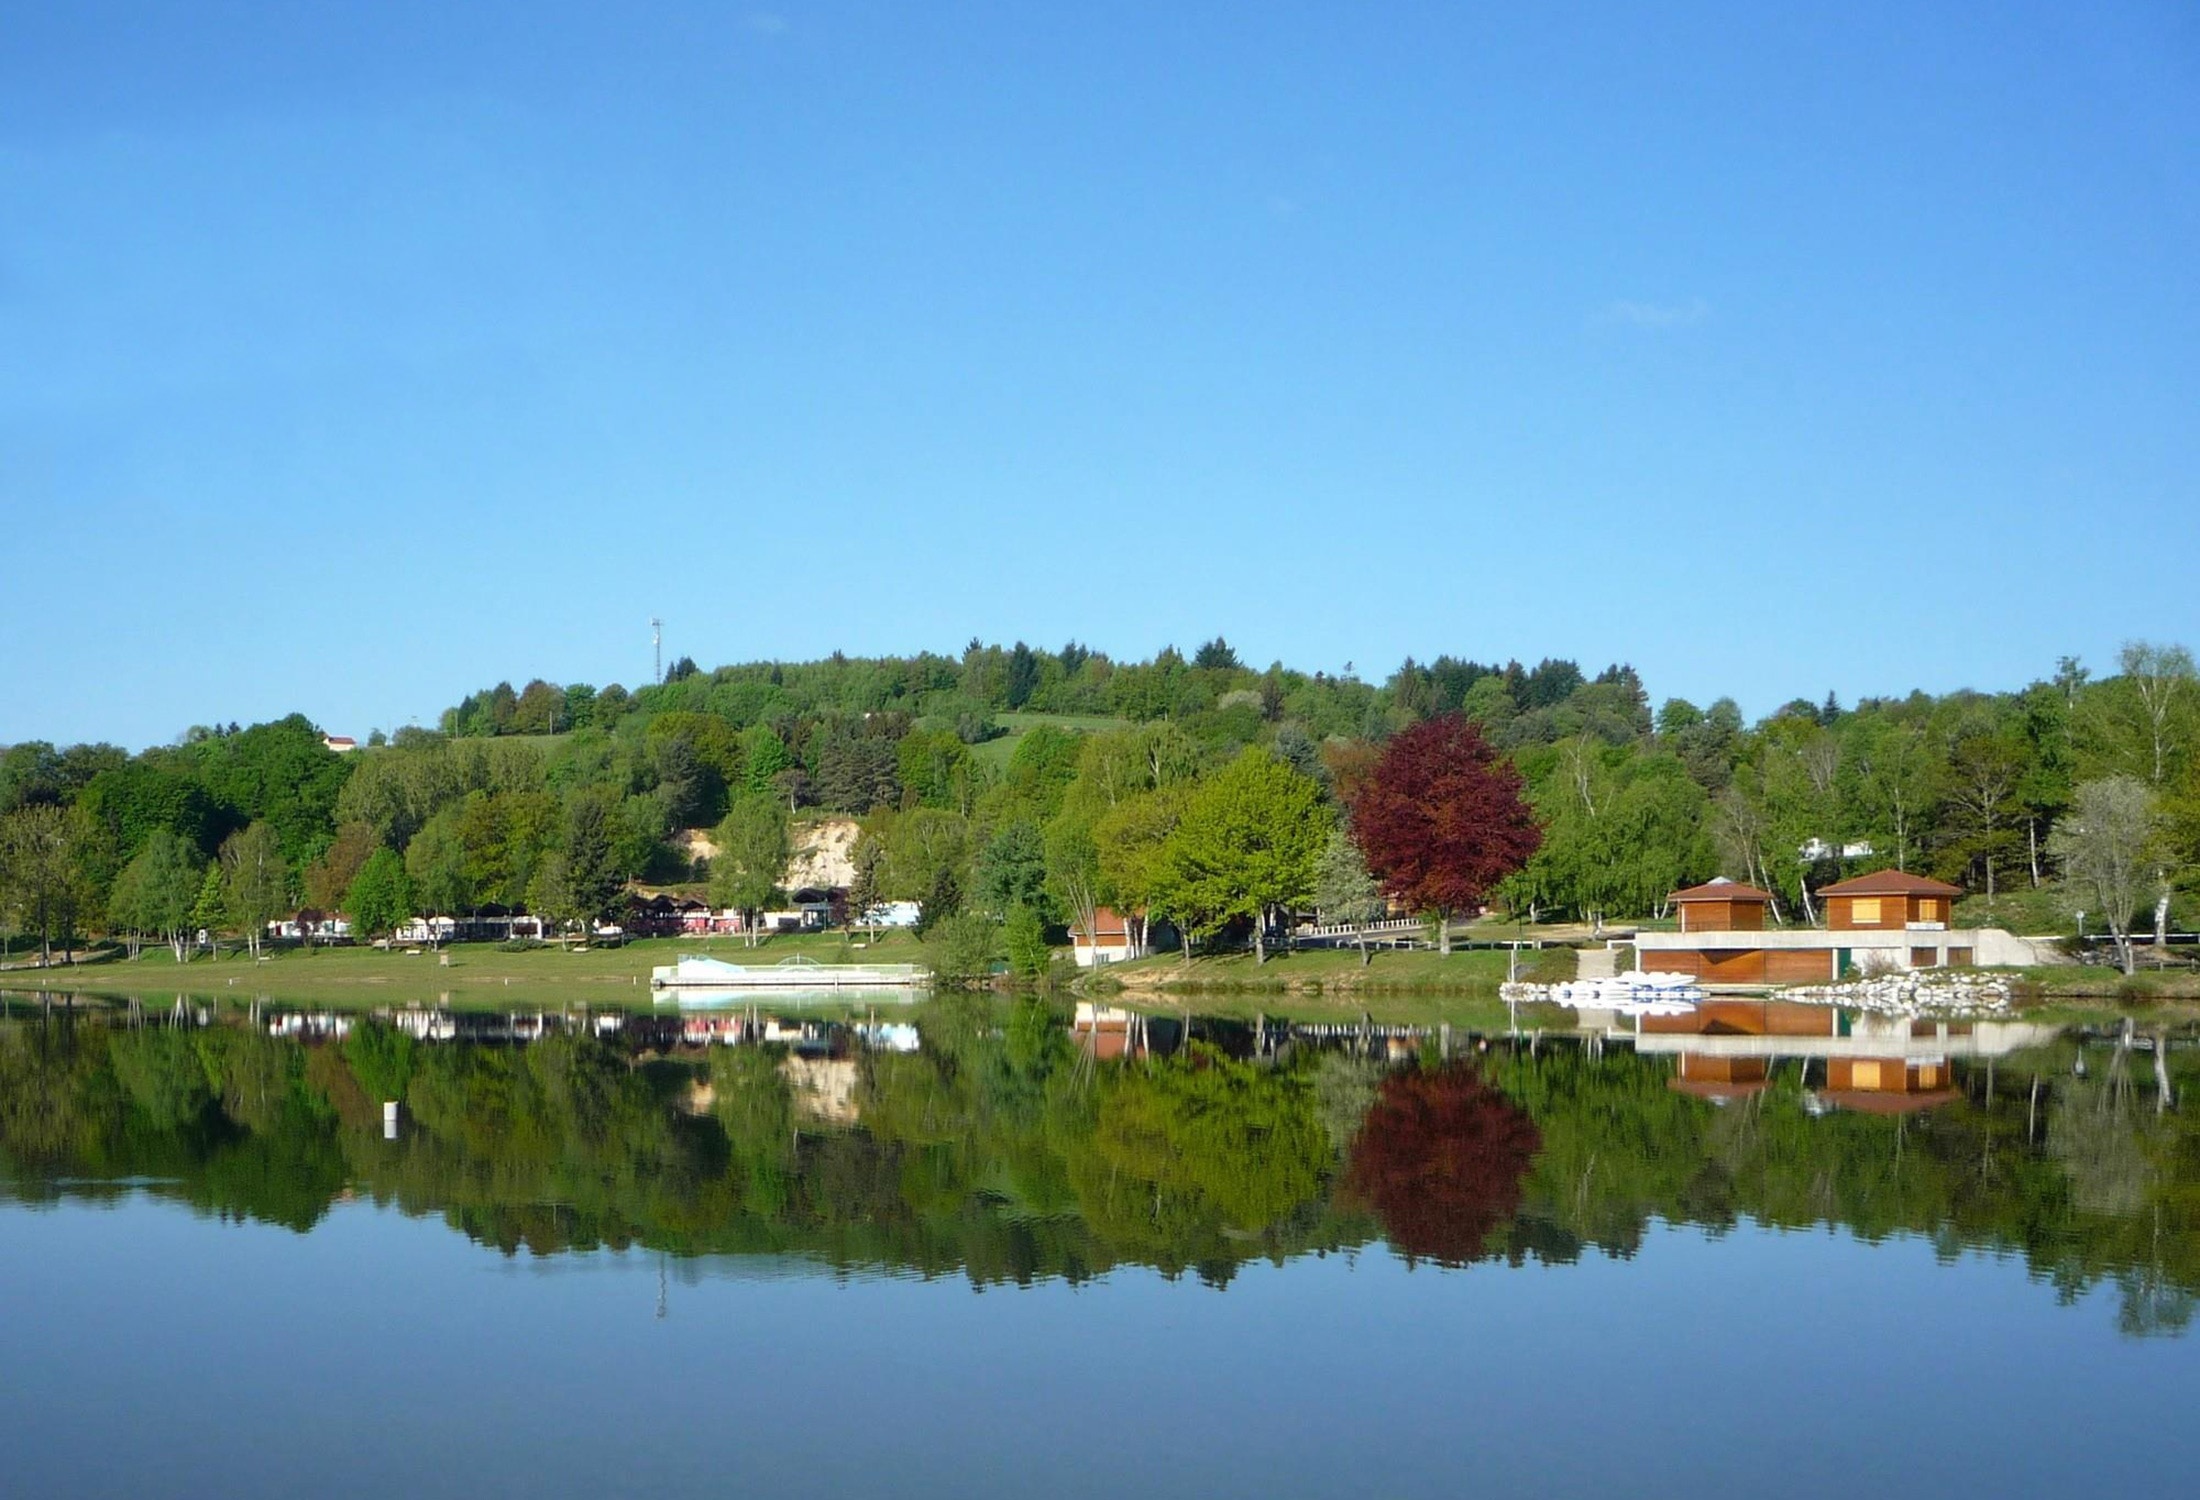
column 1002, row 1152
column 1016, row 789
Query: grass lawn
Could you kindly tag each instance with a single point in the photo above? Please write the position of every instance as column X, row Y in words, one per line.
column 2020, row 910
column 1339, row 970
column 2089, row 992
column 478, row 973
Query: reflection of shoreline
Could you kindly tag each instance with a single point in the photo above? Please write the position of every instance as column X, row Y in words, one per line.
column 1031, row 1141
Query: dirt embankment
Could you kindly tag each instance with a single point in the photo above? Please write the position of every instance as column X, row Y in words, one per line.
column 824, row 853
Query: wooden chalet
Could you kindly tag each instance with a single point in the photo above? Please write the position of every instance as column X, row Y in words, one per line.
column 1889, row 901
column 1889, row 919
column 1721, row 905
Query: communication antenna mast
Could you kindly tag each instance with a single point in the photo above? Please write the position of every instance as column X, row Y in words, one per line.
column 657, row 646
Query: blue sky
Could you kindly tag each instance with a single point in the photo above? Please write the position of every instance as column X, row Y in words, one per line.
column 352, row 357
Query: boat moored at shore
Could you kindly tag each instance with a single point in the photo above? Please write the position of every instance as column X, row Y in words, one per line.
column 693, row 973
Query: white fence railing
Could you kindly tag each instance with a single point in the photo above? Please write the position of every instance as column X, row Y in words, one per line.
column 1347, row 929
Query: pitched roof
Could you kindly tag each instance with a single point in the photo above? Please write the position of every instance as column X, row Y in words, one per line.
column 1112, row 928
column 1892, row 883
column 1721, row 889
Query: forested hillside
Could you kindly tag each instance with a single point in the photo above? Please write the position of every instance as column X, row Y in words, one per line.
column 1025, row 786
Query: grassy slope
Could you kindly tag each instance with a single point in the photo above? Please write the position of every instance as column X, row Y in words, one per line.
column 996, row 753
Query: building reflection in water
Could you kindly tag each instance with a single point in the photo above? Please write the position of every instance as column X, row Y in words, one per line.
column 1731, row 1049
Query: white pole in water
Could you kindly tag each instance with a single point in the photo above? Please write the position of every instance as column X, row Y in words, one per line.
column 389, row 1119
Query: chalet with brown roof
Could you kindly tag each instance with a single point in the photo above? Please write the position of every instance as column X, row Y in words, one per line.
column 1888, row 901
column 1721, row 905
column 1886, row 920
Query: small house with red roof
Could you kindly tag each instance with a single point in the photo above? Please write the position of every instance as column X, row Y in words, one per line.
column 1110, row 938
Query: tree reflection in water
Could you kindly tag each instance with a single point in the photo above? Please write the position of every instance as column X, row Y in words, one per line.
column 1002, row 1151
column 1440, row 1158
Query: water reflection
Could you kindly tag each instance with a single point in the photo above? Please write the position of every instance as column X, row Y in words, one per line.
column 1013, row 1142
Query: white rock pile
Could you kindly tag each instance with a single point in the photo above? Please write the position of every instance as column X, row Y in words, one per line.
column 1912, row 994
column 1918, row 993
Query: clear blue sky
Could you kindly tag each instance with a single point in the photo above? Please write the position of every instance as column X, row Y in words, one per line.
column 352, row 357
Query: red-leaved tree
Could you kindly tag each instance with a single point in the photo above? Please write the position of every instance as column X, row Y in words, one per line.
column 1441, row 819
column 1440, row 1159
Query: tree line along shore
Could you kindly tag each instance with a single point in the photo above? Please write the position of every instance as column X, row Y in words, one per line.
column 1014, row 794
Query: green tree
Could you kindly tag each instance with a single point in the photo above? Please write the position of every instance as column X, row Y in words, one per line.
column 1113, row 768
column 210, row 911
column 921, row 847
column 328, row 878
column 131, row 801
column 1343, row 889
column 763, row 758
column 42, row 871
column 941, row 899
column 1621, row 828
column 868, row 859
column 437, row 867
column 2108, row 846
column 962, row 949
column 935, row 769
column 1982, row 808
column 1025, row 938
column 752, row 849
column 1012, row 869
column 1128, row 843
column 2167, row 685
column 591, row 874
column 156, row 891
column 506, row 836
column 1246, row 847
column 255, row 881
column 281, row 773
column 381, row 897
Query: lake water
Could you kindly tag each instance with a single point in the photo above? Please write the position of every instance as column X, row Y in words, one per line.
column 1000, row 1255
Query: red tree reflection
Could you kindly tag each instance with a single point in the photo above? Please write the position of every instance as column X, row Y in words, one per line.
column 1439, row 1159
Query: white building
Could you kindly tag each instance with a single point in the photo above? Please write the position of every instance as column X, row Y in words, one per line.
column 1110, row 940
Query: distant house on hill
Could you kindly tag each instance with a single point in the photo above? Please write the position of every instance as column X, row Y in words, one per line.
column 1886, row 920
column 342, row 744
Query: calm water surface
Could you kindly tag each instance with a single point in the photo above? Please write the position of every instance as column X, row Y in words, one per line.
column 1010, row 1261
